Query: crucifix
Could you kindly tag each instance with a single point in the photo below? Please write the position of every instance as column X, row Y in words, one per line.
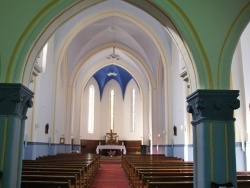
column 112, row 137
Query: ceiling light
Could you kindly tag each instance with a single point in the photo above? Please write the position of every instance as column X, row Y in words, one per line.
column 112, row 74
column 113, row 55
column 111, row 71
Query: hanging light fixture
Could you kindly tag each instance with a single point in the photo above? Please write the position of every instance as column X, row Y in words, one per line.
column 113, row 55
column 112, row 29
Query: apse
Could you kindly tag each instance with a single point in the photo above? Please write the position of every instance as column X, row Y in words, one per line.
column 107, row 73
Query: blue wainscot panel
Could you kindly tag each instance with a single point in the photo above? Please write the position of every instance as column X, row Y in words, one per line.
column 186, row 152
column 33, row 150
column 240, row 150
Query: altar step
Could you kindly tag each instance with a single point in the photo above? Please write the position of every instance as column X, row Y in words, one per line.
column 110, row 160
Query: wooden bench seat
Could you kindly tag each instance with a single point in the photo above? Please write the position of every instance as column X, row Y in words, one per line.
column 183, row 184
column 146, row 179
column 133, row 171
column 139, row 181
column 243, row 183
column 163, row 172
column 189, row 184
column 43, row 184
column 131, row 167
column 58, row 171
column 60, row 178
column 134, row 167
column 84, row 166
column 243, row 177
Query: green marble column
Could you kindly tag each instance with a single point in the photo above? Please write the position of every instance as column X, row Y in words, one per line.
column 213, row 136
column 15, row 99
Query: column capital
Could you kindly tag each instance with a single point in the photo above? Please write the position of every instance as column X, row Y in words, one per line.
column 15, row 99
column 217, row 105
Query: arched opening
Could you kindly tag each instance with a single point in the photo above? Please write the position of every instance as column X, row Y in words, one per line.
column 146, row 50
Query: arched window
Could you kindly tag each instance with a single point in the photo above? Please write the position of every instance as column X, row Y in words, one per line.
column 132, row 111
column 112, row 111
column 91, row 109
column 44, row 57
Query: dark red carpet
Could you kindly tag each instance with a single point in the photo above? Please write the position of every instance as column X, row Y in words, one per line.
column 110, row 175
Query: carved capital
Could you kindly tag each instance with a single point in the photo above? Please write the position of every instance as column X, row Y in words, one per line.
column 217, row 104
column 201, row 104
column 189, row 108
column 29, row 103
column 212, row 105
column 235, row 103
column 15, row 99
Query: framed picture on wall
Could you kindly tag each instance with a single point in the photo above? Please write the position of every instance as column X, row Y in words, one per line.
column 62, row 140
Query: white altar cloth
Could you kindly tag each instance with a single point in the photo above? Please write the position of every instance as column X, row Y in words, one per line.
column 121, row 147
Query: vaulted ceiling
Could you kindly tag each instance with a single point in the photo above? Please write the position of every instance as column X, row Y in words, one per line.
column 90, row 37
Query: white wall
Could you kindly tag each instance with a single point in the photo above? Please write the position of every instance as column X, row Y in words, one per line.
column 126, row 131
column 84, row 113
column 245, row 56
column 43, row 109
column 179, row 96
column 102, row 112
column 238, row 84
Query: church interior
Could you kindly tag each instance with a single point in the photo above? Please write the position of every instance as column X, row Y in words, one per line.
column 125, row 73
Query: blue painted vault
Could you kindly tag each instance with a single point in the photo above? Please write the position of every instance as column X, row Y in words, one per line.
column 104, row 75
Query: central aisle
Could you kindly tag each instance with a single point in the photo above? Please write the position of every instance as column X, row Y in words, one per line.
column 110, row 174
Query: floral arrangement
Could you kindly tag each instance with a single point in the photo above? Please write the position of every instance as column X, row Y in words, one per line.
column 111, row 153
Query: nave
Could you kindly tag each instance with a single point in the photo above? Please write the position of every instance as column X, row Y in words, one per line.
column 51, row 57
column 77, row 170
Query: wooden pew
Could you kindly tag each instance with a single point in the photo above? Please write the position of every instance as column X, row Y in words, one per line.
column 47, row 166
column 243, row 177
column 189, row 184
column 91, row 160
column 88, row 163
column 136, row 168
column 43, row 184
column 131, row 167
column 165, row 171
column 183, row 184
column 146, row 179
column 77, row 173
column 81, row 180
column 243, row 183
column 62, row 178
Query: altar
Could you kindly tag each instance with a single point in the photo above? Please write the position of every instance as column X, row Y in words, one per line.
column 111, row 147
column 111, row 140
